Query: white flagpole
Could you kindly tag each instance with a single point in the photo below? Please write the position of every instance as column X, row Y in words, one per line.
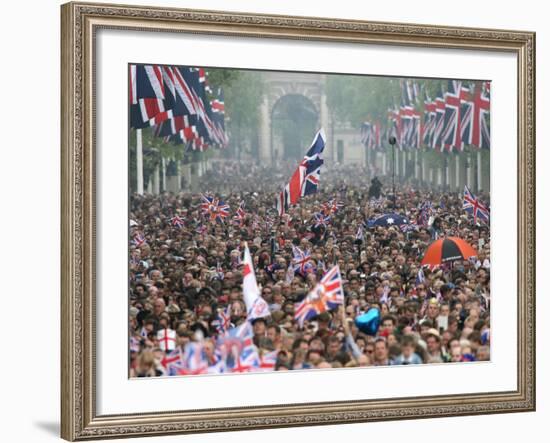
column 139, row 161
column 479, row 185
column 163, row 174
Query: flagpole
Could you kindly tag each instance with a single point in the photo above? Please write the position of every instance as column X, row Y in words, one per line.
column 478, row 170
column 139, row 161
column 392, row 140
column 163, row 174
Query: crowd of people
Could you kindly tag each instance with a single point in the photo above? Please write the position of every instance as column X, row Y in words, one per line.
column 186, row 274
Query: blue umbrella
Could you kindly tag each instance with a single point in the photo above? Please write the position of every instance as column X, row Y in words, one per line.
column 389, row 220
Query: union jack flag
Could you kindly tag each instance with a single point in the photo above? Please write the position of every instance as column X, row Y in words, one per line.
column 138, row 240
column 239, row 338
column 472, row 205
column 301, row 261
column 331, row 207
column 408, row 227
column 321, row 219
column 194, row 360
column 173, row 360
column 222, row 323
column 425, row 210
column 214, row 208
column 219, row 270
column 305, row 179
column 240, row 214
column 135, row 344
column 237, row 349
column 326, row 295
column 177, row 221
column 247, row 361
column 377, row 203
column 201, row 229
column 420, row 278
column 268, row 360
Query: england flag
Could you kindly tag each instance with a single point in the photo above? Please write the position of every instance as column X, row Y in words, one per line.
column 256, row 306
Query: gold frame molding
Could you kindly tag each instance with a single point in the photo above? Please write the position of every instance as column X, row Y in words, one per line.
column 79, row 22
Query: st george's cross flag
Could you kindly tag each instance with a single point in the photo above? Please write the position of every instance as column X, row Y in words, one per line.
column 326, row 295
column 256, row 306
column 167, row 339
column 305, row 179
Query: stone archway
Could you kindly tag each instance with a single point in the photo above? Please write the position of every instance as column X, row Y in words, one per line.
column 278, row 85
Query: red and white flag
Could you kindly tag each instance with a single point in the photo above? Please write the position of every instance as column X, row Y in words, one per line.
column 256, row 306
column 167, row 339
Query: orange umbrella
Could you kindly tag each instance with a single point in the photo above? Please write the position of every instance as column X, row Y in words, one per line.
column 448, row 249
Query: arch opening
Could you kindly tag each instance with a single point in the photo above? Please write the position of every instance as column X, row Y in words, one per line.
column 294, row 120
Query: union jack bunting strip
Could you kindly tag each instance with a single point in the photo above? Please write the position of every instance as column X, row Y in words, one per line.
column 321, row 219
column 371, row 135
column 451, row 131
column 466, row 116
column 174, row 100
column 177, row 221
column 473, row 206
column 301, row 261
column 305, row 179
column 214, row 208
column 481, row 108
column 439, row 123
column 327, row 294
column 428, row 129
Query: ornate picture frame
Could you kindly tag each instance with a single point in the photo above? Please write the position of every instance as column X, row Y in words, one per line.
column 80, row 22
